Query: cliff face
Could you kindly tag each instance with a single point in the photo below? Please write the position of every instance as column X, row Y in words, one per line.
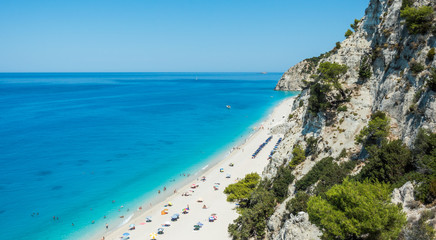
column 382, row 41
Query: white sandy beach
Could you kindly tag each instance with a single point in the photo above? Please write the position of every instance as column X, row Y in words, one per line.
column 215, row 200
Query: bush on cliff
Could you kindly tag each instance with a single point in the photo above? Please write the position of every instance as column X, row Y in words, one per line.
column 281, row 183
column 431, row 81
column 242, row 190
column 325, row 173
column 354, row 209
column 355, row 26
column 298, row 203
column 348, row 33
column 430, row 54
column 376, row 131
column 252, row 221
column 416, row 67
column 298, row 156
column 365, row 69
column 418, row 20
column 259, row 206
column 387, row 163
column 425, row 160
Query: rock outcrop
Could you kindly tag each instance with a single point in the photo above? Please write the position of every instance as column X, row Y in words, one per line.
column 383, row 42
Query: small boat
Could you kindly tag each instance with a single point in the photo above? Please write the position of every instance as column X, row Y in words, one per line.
column 263, row 73
column 228, row 106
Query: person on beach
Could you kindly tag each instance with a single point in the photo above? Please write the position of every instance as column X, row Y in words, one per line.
column 165, row 188
column 72, row 224
column 158, row 191
column 107, row 226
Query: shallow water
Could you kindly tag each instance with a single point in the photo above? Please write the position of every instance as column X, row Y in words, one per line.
column 71, row 143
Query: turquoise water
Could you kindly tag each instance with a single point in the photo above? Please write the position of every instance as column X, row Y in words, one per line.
column 71, row 143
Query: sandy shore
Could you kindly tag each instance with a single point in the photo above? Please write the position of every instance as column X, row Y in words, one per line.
column 215, row 200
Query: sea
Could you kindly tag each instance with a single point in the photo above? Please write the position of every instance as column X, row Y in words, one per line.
column 77, row 150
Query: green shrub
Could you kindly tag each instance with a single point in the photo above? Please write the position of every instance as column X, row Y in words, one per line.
column 430, row 54
column 353, row 209
column 252, row 221
column 342, row 108
column 259, row 206
column 376, row 131
column 311, row 145
column 338, row 45
column 242, row 190
column 326, row 173
column 365, row 69
column 317, row 101
column 418, row 20
column 314, row 174
column 348, row 33
column 298, row 203
column 301, row 103
column 416, row 67
column 388, row 163
column 334, row 174
column 281, row 183
column 425, row 159
column 298, row 156
column 431, row 81
column 343, row 153
column 354, row 26
column 290, row 116
column 406, row 3
column 417, row 95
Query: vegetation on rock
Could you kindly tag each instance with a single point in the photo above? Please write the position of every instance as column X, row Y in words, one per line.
column 376, row 131
column 432, row 80
column 431, row 53
column 418, row 20
column 387, row 163
column 348, row 33
column 298, row 156
column 353, row 209
column 242, row 190
column 416, row 67
column 298, row 203
column 354, row 25
column 260, row 203
column 365, row 69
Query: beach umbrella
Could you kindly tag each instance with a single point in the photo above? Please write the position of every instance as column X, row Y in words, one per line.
column 131, row 225
column 170, row 203
column 200, row 200
column 200, row 224
column 211, row 219
column 153, row 235
column 126, row 234
column 148, row 219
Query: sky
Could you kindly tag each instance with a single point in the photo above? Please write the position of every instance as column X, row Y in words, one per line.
column 169, row 35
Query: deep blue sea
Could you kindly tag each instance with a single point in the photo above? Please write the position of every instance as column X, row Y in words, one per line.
column 72, row 143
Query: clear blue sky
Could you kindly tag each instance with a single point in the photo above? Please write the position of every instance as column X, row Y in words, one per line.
column 169, row 35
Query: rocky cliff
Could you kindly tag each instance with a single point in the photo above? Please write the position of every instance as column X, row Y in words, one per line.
column 399, row 68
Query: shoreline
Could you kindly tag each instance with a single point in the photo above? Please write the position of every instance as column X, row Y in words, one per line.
column 248, row 142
